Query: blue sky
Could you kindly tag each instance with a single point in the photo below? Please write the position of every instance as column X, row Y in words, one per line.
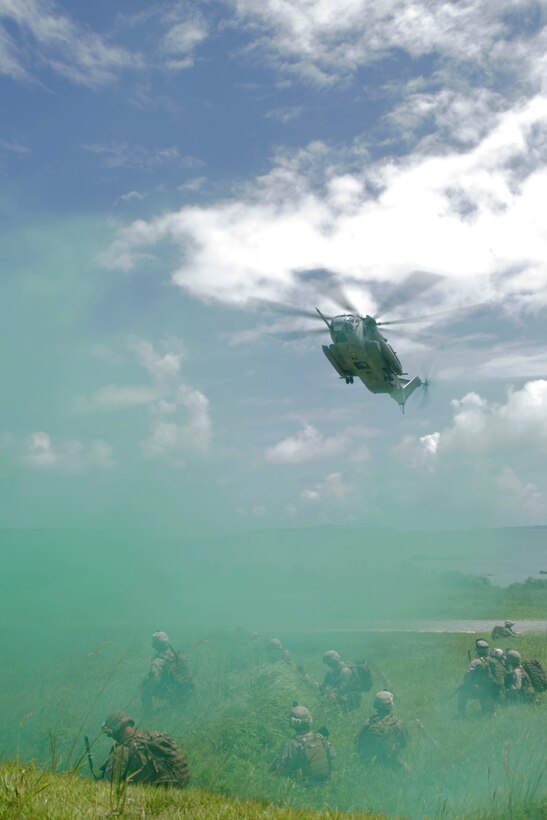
column 163, row 166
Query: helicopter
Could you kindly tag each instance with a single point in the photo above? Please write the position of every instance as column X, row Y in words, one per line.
column 359, row 349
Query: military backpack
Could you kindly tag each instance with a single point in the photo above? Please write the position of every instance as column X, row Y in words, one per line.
column 162, row 761
column 361, row 677
column 178, row 672
column 317, row 759
column 537, row 673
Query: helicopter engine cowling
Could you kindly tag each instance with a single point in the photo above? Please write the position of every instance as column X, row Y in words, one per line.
column 391, row 358
column 374, row 353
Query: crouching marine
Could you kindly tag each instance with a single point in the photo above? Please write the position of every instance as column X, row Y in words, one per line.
column 383, row 736
column 142, row 756
column 309, row 755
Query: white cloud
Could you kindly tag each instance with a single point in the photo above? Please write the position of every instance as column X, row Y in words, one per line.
column 180, row 43
column 14, row 147
column 500, row 361
column 80, row 55
column 308, row 445
column 324, row 41
column 66, row 456
column 480, row 427
column 332, row 487
column 525, row 498
column 190, row 432
column 130, row 196
column 474, row 216
column 285, row 114
column 160, row 366
column 179, row 417
column 139, row 158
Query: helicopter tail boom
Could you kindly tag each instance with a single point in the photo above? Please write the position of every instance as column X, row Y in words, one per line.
column 409, row 389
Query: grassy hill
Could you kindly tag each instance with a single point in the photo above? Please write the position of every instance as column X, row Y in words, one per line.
column 27, row 792
column 237, row 722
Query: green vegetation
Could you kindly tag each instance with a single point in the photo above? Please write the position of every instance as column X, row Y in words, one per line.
column 31, row 793
column 238, row 720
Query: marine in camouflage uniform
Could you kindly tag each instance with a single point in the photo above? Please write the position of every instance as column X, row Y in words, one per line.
column 309, row 755
column 484, row 680
column 518, row 685
column 505, row 631
column 161, row 681
column 142, row 757
column 383, row 736
column 340, row 682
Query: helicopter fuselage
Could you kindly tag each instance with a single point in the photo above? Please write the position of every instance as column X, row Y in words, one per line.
column 359, row 350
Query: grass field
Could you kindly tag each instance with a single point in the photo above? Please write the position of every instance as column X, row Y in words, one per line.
column 238, row 720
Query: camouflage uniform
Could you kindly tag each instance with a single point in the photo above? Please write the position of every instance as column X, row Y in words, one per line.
column 517, row 681
column 383, row 736
column 505, row 631
column 309, row 755
column 160, row 683
column 340, row 682
column 483, row 681
column 142, row 757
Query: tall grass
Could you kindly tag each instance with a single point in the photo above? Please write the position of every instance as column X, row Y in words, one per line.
column 237, row 721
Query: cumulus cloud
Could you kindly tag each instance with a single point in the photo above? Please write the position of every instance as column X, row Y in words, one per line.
column 66, row 456
column 307, row 445
column 160, row 365
column 177, row 414
column 333, row 487
column 474, row 216
column 483, row 427
column 180, row 427
column 180, row 420
column 524, row 497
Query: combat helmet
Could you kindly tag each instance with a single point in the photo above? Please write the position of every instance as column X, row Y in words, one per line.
column 482, row 647
column 116, row 723
column 513, row 657
column 301, row 718
column 160, row 639
column 331, row 657
column 497, row 653
column 383, row 701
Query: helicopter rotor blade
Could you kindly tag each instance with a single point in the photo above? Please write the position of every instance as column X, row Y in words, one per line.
column 425, row 395
column 462, row 309
column 329, row 286
column 293, row 335
column 409, row 288
column 278, row 307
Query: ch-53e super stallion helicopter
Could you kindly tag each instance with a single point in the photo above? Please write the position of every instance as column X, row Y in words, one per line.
column 358, row 349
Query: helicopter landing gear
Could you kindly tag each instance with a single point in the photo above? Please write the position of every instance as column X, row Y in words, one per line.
column 349, row 379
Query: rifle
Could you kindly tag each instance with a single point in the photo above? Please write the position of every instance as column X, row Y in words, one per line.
column 90, row 758
column 308, row 678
